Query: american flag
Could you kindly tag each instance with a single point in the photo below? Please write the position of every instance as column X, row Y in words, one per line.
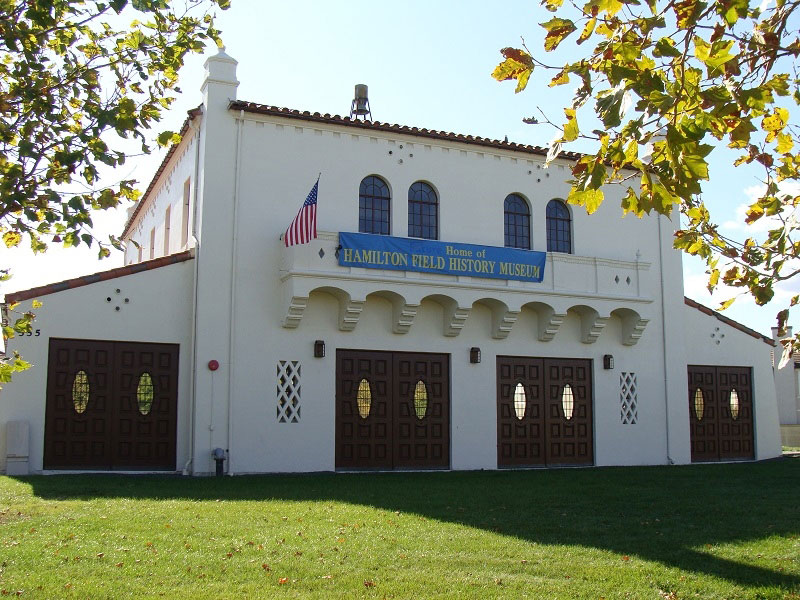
column 304, row 227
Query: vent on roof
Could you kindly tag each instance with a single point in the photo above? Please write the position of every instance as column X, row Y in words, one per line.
column 359, row 107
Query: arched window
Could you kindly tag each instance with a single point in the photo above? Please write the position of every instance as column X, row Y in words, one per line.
column 559, row 227
column 374, row 205
column 517, row 222
column 423, row 212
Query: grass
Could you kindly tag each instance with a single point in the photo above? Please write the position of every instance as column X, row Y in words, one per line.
column 707, row 531
column 791, row 448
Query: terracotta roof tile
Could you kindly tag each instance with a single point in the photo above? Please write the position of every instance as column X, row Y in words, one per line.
column 77, row 282
column 728, row 321
column 278, row 111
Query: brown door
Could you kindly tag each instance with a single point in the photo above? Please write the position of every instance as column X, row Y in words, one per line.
column 79, row 399
column 363, row 409
column 544, row 411
column 422, row 410
column 111, row 405
column 392, row 410
column 520, row 411
column 145, row 434
column 720, row 413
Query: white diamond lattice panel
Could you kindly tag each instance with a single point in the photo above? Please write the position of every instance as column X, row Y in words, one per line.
column 288, row 391
column 628, row 399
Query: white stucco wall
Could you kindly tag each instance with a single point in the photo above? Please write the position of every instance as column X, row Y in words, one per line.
column 710, row 341
column 159, row 310
column 787, row 378
column 270, row 184
column 168, row 192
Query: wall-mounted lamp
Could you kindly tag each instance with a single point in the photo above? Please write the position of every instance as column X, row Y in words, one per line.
column 319, row 349
column 474, row 355
column 608, row 361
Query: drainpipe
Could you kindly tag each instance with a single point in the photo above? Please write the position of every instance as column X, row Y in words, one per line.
column 234, row 257
column 664, row 338
column 189, row 466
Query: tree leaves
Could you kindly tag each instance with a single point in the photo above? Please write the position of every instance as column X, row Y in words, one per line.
column 557, row 31
column 74, row 87
column 518, row 65
column 671, row 82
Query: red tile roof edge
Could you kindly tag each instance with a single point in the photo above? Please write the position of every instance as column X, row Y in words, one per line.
column 728, row 321
column 192, row 114
column 52, row 288
column 277, row 111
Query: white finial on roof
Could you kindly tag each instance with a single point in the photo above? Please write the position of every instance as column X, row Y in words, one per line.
column 220, row 74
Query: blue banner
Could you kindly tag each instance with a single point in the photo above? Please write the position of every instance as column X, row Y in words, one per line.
column 373, row 251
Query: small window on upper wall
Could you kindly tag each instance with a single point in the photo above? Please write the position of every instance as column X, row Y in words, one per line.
column 559, row 227
column 517, row 222
column 187, row 188
column 374, row 206
column 423, row 212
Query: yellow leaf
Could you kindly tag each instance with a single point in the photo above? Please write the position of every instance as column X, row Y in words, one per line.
column 589, row 199
column 571, row 126
column 587, row 31
column 557, row 30
column 785, row 143
column 713, row 280
column 604, row 30
column 12, row 238
column 560, row 79
column 518, row 65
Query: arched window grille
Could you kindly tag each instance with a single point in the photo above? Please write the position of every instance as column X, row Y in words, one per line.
column 423, row 212
column 374, row 206
column 517, row 217
column 559, row 227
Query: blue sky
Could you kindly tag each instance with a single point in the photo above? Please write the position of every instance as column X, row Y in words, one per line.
column 427, row 64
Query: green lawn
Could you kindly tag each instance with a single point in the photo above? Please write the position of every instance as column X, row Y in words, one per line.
column 791, row 448
column 711, row 531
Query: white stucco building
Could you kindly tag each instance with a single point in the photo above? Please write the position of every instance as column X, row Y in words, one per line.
column 452, row 313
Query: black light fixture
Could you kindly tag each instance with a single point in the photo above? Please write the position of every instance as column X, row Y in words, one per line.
column 474, row 355
column 608, row 362
column 319, row 349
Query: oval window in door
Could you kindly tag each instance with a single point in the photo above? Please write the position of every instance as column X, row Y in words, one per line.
column 420, row 399
column 364, row 398
column 567, row 401
column 699, row 404
column 734, row 403
column 144, row 393
column 520, row 400
column 80, row 392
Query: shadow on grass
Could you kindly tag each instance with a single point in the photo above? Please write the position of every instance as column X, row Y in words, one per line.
column 672, row 515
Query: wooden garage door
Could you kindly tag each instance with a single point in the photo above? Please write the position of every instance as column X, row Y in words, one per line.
column 721, row 413
column 544, row 411
column 111, row 405
column 392, row 410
